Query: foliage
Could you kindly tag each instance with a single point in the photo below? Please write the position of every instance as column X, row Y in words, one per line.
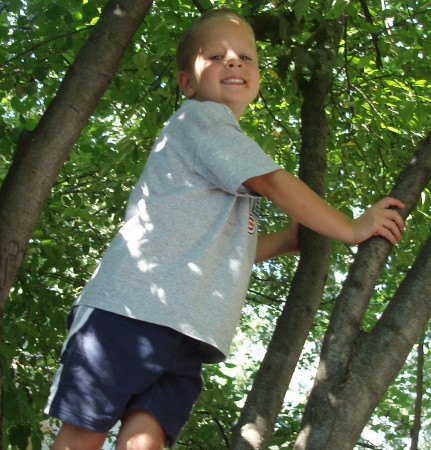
column 378, row 112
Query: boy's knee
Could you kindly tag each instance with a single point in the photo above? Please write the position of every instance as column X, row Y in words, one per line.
column 141, row 431
column 71, row 437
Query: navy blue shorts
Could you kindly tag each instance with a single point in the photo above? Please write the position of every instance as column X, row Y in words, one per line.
column 112, row 364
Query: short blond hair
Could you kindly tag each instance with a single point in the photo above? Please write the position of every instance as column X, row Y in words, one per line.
column 188, row 45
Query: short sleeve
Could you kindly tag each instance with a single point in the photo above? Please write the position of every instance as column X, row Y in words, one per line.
column 224, row 154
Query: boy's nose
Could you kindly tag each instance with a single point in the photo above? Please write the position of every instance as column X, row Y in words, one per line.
column 234, row 61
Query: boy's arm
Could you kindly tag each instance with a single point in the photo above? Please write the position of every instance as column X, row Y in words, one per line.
column 276, row 244
column 305, row 206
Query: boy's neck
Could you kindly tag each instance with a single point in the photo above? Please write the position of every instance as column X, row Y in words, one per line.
column 237, row 117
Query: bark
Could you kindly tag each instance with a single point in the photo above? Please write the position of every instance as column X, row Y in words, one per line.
column 265, row 399
column 383, row 353
column 417, row 425
column 356, row 369
column 40, row 154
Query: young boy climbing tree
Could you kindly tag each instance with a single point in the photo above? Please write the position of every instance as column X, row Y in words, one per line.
column 168, row 293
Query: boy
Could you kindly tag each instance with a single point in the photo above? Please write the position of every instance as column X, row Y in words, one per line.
column 168, row 293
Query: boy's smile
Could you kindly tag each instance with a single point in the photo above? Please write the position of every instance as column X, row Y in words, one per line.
column 225, row 68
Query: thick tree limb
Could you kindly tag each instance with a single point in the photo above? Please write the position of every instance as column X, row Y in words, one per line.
column 344, row 341
column 383, row 352
column 41, row 153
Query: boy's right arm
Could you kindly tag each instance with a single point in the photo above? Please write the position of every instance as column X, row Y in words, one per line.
column 304, row 205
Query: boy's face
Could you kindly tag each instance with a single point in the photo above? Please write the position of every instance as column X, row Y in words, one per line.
column 225, row 68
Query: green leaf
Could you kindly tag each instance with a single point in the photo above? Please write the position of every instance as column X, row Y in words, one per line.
column 337, row 7
column 19, row 436
column 299, row 8
column 140, row 60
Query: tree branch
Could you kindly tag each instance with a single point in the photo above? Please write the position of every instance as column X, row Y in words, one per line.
column 199, row 6
column 41, row 154
column 416, row 428
column 41, row 44
column 374, row 36
column 344, row 341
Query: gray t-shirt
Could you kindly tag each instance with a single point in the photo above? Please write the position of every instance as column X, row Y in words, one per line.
column 184, row 256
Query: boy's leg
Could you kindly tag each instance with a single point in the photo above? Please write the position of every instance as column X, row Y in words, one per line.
column 114, row 365
column 71, row 437
column 140, row 431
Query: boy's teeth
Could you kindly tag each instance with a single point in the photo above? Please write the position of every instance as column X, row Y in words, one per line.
column 234, row 81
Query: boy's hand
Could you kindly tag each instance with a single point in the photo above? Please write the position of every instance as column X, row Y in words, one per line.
column 380, row 221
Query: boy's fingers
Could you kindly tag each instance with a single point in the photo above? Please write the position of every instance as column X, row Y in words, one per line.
column 391, row 229
column 387, row 234
column 387, row 202
column 390, row 224
column 394, row 230
column 395, row 218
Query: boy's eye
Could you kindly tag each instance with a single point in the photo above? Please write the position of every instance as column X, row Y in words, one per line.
column 221, row 57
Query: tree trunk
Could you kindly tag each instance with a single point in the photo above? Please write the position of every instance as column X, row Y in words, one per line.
column 41, row 153
column 355, row 369
column 265, row 399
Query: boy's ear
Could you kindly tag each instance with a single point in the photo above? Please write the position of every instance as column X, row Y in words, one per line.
column 186, row 84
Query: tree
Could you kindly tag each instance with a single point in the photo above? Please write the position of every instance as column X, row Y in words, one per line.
column 332, row 420
column 353, row 76
column 41, row 152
